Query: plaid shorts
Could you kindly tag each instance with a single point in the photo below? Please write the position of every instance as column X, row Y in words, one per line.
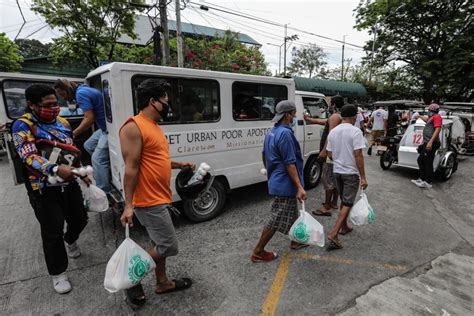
column 328, row 176
column 284, row 213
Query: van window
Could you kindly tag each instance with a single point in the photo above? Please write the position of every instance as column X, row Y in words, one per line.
column 316, row 107
column 14, row 98
column 107, row 105
column 256, row 101
column 191, row 100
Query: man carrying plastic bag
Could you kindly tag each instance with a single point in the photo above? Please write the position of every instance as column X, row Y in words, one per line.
column 128, row 266
column 345, row 144
column 306, row 230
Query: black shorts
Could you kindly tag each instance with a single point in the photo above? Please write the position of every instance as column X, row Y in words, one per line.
column 347, row 185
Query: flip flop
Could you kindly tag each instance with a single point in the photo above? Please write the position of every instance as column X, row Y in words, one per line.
column 298, row 246
column 320, row 213
column 334, row 207
column 333, row 245
column 179, row 285
column 267, row 256
column 136, row 295
column 346, row 232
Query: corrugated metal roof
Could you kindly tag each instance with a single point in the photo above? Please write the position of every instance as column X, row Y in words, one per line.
column 143, row 30
column 330, row 87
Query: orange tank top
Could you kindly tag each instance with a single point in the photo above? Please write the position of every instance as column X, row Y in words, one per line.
column 153, row 186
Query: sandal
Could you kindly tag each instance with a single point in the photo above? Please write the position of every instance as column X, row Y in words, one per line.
column 298, row 246
column 334, row 206
column 267, row 256
column 322, row 213
column 179, row 285
column 334, row 244
column 345, row 232
column 135, row 295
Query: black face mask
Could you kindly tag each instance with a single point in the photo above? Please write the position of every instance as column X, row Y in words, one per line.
column 164, row 112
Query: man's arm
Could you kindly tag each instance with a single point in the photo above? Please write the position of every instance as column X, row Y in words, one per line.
column 433, row 138
column 301, row 193
column 131, row 144
column 181, row 165
column 315, row 120
column 359, row 158
column 86, row 123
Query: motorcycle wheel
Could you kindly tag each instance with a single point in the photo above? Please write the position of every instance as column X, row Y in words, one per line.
column 386, row 160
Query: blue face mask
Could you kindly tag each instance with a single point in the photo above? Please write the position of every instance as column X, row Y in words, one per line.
column 293, row 123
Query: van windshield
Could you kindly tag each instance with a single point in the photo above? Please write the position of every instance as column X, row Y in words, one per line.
column 13, row 92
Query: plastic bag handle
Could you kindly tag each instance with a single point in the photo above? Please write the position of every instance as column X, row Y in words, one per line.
column 127, row 233
column 302, row 204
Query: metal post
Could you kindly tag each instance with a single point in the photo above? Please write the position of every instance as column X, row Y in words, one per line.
column 284, row 51
column 342, row 61
column 279, row 61
column 373, row 51
column 179, row 39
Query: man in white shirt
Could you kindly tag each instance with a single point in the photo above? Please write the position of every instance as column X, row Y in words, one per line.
column 378, row 120
column 360, row 120
column 344, row 147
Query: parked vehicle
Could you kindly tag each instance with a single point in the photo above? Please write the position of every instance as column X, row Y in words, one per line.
column 465, row 112
column 402, row 150
column 218, row 118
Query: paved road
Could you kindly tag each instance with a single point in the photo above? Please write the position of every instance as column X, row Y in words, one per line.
column 412, row 228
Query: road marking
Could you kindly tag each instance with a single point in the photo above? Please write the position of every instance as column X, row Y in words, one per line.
column 273, row 297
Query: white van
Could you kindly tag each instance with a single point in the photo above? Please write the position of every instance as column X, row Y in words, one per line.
column 218, row 118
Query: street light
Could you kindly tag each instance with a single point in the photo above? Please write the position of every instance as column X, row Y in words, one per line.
column 279, row 55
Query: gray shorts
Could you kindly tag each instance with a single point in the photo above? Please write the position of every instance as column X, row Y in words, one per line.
column 347, row 186
column 160, row 228
column 328, row 176
column 283, row 215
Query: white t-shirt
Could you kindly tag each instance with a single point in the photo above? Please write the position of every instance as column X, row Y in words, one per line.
column 359, row 119
column 379, row 115
column 342, row 141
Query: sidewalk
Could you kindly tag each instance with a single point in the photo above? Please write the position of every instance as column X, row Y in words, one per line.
column 446, row 289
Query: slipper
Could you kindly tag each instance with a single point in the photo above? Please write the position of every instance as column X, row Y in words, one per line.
column 298, row 246
column 179, row 285
column 346, row 232
column 334, row 207
column 267, row 256
column 320, row 213
column 135, row 295
column 334, row 244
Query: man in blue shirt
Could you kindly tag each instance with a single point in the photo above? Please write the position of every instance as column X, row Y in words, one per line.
column 91, row 102
column 284, row 163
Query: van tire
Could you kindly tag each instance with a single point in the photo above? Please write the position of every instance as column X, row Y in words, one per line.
column 312, row 172
column 212, row 208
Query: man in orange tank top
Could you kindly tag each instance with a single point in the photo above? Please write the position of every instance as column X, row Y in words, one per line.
column 145, row 152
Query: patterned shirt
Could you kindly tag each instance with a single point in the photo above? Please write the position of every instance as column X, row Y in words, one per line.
column 25, row 132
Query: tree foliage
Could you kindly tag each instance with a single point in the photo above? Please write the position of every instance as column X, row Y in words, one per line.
column 10, row 58
column 90, row 27
column 434, row 39
column 306, row 60
column 32, row 48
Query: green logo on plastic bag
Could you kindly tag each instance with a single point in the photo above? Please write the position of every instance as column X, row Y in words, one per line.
column 301, row 233
column 371, row 215
column 137, row 269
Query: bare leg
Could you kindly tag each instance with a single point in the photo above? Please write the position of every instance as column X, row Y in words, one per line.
column 162, row 281
column 335, row 197
column 267, row 234
column 341, row 220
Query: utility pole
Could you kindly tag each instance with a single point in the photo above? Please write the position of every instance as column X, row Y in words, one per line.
column 342, row 61
column 284, row 50
column 166, row 34
column 373, row 51
column 179, row 39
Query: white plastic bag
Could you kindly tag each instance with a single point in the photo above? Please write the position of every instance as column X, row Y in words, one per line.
column 128, row 266
column 307, row 230
column 361, row 213
column 95, row 200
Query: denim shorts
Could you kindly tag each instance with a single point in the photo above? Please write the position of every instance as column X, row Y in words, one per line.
column 347, row 186
column 160, row 228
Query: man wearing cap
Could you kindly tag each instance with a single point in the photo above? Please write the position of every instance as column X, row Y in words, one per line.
column 344, row 147
column 284, row 162
column 431, row 144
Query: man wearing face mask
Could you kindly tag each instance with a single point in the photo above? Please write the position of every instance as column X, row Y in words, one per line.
column 431, row 144
column 91, row 102
column 284, row 163
column 146, row 182
column 71, row 110
column 35, row 134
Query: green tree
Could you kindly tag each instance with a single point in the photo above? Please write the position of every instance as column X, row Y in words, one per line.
column 10, row 58
column 224, row 53
column 434, row 39
column 306, row 60
column 32, row 48
column 90, row 27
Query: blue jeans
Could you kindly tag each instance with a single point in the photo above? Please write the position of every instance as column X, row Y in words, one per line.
column 98, row 147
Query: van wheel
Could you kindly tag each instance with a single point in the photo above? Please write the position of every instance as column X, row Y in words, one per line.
column 312, row 172
column 208, row 205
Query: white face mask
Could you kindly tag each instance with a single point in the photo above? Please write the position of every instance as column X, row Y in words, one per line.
column 294, row 122
column 72, row 106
